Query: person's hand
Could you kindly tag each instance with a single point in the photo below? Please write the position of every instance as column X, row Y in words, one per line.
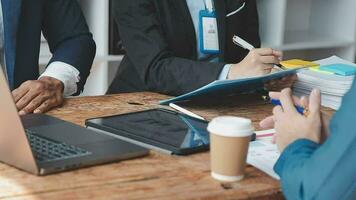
column 289, row 124
column 268, row 122
column 280, row 84
column 258, row 62
column 38, row 96
column 325, row 121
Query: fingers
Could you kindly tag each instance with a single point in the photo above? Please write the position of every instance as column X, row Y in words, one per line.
column 274, row 95
column 304, row 102
column 263, row 60
column 258, row 62
column 264, row 51
column 269, row 52
column 21, row 91
column 25, row 100
column 277, row 111
column 38, row 96
column 35, row 103
column 277, row 114
column 270, row 59
column 278, row 54
column 297, row 101
column 315, row 101
column 267, row 123
column 275, row 69
column 287, row 101
column 267, row 68
column 48, row 105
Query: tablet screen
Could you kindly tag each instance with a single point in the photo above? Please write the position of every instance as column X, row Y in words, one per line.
column 170, row 128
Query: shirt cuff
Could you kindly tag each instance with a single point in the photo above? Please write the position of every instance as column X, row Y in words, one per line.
column 66, row 73
column 224, row 72
column 297, row 147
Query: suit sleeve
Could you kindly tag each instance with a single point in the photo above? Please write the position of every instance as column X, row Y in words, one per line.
column 68, row 36
column 245, row 24
column 146, row 47
column 312, row 171
column 253, row 24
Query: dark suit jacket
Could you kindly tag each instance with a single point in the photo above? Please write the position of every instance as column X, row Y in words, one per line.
column 160, row 42
column 62, row 24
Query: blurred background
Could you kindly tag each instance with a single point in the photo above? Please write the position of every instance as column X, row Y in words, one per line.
column 306, row 29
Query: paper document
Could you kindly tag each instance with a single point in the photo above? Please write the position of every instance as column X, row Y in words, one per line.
column 332, row 86
column 263, row 155
column 334, row 60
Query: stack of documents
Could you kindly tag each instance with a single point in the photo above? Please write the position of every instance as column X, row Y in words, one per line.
column 332, row 86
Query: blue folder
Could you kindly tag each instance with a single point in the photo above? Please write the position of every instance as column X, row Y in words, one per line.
column 224, row 88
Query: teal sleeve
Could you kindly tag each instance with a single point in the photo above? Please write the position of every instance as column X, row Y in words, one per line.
column 289, row 166
column 327, row 171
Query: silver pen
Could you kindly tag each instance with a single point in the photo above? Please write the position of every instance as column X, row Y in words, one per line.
column 185, row 111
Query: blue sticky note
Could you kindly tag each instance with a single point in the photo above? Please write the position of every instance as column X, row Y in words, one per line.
column 340, row 69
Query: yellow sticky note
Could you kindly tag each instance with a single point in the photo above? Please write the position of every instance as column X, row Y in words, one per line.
column 298, row 63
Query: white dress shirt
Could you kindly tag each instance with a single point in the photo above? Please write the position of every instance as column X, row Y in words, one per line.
column 64, row 72
column 195, row 6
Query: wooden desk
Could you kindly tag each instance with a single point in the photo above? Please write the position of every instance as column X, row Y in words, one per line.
column 156, row 176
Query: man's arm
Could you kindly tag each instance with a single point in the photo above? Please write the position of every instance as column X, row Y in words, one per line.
column 73, row 52
column 68, row 36
column 66, row 74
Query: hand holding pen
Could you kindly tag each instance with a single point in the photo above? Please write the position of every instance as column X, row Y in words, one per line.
column 259, row 61
column 303, row 110
column 244, row 44
column 287, row 121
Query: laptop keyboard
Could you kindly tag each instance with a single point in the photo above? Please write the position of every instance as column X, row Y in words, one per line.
column 47, row 150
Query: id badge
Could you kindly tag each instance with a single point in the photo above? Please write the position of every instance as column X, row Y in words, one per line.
column 208, row 32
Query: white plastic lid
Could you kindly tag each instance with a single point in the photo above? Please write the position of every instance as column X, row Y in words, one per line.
column 230, row 126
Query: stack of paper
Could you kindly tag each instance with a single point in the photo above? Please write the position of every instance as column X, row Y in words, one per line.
column 333, row 87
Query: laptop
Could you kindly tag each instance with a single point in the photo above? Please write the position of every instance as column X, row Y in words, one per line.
column 41, row 144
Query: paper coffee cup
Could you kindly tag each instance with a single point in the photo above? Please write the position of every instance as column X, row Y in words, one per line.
column 229, row 141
